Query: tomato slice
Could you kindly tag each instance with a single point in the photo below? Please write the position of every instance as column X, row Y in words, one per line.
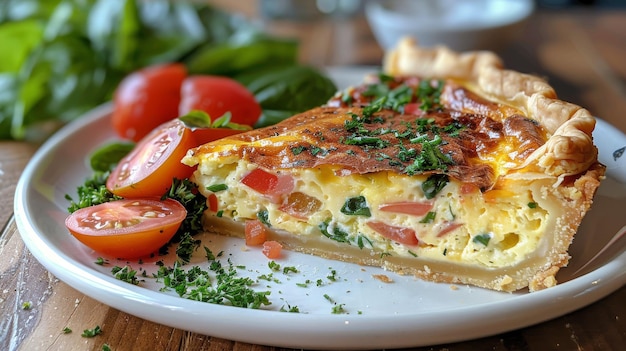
column 269, row 184
column 148, row 170
column 217, row 95
column 272, row 249
column 407, row 207
column 127, row 228
column 255, row 232
column 147, row 98
column 402, row 235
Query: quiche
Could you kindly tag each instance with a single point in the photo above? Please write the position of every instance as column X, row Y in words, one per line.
column 446, row 166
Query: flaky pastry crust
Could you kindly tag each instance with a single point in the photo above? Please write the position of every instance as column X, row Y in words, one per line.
column 569, row 150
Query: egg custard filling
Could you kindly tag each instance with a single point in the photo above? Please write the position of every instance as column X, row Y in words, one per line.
column 446, row 166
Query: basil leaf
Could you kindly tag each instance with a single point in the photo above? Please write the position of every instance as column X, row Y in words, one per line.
column 108, row 156
column 356, row 206
column 233, row 58
column 285, row 91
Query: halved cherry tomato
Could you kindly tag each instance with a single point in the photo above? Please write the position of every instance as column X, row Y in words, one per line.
column 255, row 232
column 218, row 95
column 148, row 170
column 402, row 235
column 127, row 228
column 269, row 184
column 272, row 249
column 407, row 207
column 147, row 98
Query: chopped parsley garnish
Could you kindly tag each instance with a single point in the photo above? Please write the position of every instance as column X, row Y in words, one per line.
column 26, row 305
column 217, row 187
column 297, row 150
column 356, row 206
column 125, row 274
column 92, row 192
column 532, row 205
column 263, row 216
column 336, row 234
column 225, row 288
column 429, row 218
column 482, row 239
column 90, row 333
column 66, row 330
column 434, row 184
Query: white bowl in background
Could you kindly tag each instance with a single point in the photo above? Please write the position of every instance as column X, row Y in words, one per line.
column 460, row 25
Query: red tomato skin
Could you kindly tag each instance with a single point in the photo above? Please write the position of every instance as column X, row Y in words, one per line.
column 413, row 109
column 147, row 98
column 272, row 249
column 148, row 170
column 407, row 207
column 127, row 241
column 217, row 95
column 211, row 203
column 255, row 232
column 402, row 235
column 260, row 181
column 270, row 185
column 205, row 135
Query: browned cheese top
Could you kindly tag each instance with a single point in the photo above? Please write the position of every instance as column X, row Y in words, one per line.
column 404, row 125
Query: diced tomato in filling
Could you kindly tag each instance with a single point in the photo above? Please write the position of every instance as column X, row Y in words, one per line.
column 256, row 232
column 401, row 235
column 448, row 227
column 272, row 249
column 211, row 202
column 300, row 205
column 269, row 184
column 407, row 207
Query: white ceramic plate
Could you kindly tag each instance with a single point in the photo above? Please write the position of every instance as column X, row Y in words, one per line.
column 403, row 313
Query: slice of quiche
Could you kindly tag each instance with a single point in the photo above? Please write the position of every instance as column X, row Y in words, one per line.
column 447, row 166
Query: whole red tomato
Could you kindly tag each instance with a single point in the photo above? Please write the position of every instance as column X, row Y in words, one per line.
column 146, row 99
column 217, row 95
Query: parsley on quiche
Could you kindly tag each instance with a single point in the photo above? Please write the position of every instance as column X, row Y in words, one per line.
column 447, row 166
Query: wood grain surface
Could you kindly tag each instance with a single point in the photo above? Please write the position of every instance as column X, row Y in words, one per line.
column 582, row 53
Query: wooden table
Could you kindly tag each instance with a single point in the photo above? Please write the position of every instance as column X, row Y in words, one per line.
column 580, row 51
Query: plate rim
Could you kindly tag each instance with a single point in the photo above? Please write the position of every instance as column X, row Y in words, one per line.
column 313, row 331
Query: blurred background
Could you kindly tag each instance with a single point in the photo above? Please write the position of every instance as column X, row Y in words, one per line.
column 67, row 56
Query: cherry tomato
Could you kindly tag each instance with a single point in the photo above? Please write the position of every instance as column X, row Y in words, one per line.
column 127, row 228
column 218, row 95
column 407, row 207
column 399, row 234
column 148, row 170
column 271, row 249
column 255, row 232
column 205, row 135
column 147, row 98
